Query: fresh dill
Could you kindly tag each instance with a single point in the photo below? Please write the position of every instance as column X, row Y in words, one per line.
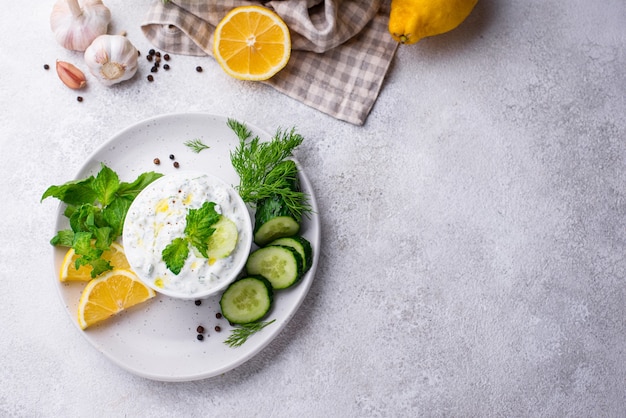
column 240, row 335
column 262, row 169
column 196, row 145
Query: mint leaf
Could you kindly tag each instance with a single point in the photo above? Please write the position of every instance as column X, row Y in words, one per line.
column 115, row 214
column 83, row 218
column 103, row 237
column 131, row 190
column 99, row 266
column 198, row 228
column 73, row 193
column 83, row 247
column 63, row 238
column 106, row 185
column 175, row 255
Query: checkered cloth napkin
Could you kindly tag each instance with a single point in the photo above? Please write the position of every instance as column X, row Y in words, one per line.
column 341, row 49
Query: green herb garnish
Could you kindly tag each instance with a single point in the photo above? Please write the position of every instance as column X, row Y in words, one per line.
column 196, row 145
column 198, row 229
column 240, row 335
column 96, row 209
column 260, row 168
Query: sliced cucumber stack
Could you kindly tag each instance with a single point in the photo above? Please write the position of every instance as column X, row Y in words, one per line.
column 247, row 300
column 280, row 265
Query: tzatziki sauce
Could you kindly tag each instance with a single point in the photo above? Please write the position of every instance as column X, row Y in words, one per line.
column 157, row 216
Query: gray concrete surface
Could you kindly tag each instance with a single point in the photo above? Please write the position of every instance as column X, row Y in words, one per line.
column 473, row 229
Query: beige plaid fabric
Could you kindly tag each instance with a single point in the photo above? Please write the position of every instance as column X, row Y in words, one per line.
column 341, row 49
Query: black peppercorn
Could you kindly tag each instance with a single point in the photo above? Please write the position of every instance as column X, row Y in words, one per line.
column 79, row 98
column 154, row 69
column 172, row 156
column 198, row 302
column 200, row 337
column 217, row 328
column 156, row 161
column 200, row 329
column 199, row 69
column 166, row 57
column 149, row 58
column 150, row 78
column 176, row 165
column 46, row 67
column 151, row 52
column 218, row 315
column 166, row 67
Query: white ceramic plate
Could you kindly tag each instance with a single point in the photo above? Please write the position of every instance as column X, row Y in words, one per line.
column 157, row 340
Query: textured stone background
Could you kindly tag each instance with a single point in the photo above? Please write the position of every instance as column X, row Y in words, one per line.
column 473, row 230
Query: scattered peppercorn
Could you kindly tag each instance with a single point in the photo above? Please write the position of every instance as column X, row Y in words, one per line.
column 217, row 328
column 166, row 57
column 218, row 315
column 199, row 69
column 158, row 54
column 151, row 52
column 200, row 337
column 154, row 69
column 46, row 67
column 150, row 78
column 198, row 302
column 156, row 161
column 149, row 58
column 166, row 67
column 200, row 329
column 176, row 165
column 138, row 53
column 79, row 98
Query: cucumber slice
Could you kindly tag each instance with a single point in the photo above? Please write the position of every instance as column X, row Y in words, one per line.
column 281, row 265
column 282, row 226
column 273, row 220
column 223, row 240
column 247, row 300
column 301, row 245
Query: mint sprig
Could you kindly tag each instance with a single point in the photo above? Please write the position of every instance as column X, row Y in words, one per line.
column 96, row 210
column 198, row 229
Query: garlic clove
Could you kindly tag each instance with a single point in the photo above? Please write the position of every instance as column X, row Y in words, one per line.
column 111, row 59
column 70, row 75
column 76, row 25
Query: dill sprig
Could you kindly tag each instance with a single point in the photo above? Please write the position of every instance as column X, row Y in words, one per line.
column 240, row 335
column 262, row 171
column 196, row 145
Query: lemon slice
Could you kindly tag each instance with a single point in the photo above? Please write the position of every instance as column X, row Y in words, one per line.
column 69, row 273
column 109, row 294
column 252, row 43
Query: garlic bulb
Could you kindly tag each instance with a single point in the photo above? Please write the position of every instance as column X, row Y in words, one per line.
column 75, row 26
column 111, row 59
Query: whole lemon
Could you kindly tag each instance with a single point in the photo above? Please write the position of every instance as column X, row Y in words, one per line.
column 412, row 20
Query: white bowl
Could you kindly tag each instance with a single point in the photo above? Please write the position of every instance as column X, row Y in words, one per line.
column 158, row 215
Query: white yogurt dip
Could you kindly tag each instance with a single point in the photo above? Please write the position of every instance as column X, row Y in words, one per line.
column 158, row 215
